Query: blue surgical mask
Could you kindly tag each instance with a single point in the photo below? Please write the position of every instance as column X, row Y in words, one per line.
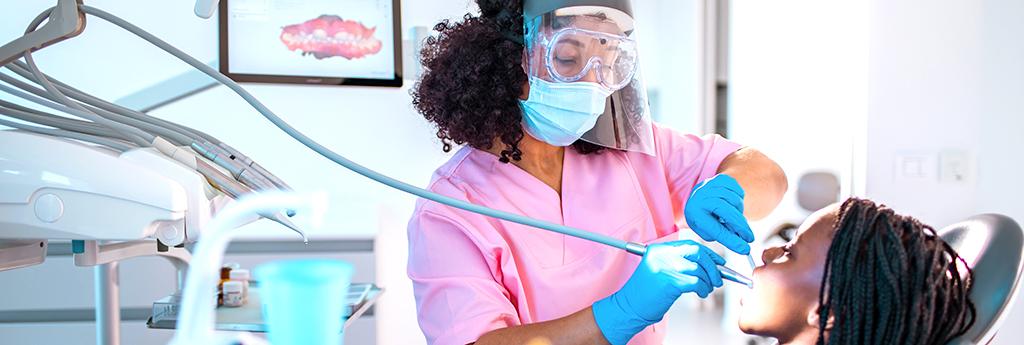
column 560, row 113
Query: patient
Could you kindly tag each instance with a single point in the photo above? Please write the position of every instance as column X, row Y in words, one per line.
column 860, row 274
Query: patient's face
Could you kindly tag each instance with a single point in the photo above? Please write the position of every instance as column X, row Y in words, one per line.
column 786, row 287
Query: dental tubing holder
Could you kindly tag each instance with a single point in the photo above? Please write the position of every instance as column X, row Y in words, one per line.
column 112, row 126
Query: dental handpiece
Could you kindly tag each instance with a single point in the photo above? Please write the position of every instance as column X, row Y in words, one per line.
column 733, row 276
column 727, row 273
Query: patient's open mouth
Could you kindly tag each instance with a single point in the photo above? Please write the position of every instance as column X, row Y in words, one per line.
column 328, row 36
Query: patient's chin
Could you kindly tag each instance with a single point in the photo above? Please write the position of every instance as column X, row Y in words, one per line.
column 749, row 326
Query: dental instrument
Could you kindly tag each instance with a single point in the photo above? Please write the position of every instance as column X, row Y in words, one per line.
column 30, row 71
column 242, row 168
column 750, row 260
column 59, row 17
column 736, row 277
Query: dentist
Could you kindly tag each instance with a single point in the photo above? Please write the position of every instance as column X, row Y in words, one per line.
column 547, row 98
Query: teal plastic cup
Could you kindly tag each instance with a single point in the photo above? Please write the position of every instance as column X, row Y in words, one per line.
column 304, row 300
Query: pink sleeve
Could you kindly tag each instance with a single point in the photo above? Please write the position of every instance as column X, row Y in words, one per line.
column 689, row 160
column 458, row 297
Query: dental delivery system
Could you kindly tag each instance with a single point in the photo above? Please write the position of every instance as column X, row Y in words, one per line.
column 121, row 161
column 119, row 128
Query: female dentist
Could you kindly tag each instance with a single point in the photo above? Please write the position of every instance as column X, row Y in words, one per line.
column 548, row 98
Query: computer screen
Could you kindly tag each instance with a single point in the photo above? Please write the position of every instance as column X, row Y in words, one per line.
column 335, row 42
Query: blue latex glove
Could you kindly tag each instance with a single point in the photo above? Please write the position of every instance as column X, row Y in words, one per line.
column 666, row 271
column 715, row 212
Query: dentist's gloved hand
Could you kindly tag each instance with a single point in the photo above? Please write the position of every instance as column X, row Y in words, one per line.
column 715, row 212
column 667, row 271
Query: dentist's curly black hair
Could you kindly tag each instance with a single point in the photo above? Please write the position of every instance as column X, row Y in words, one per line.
column 473, row 77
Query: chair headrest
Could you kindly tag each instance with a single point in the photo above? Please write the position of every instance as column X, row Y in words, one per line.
column 992, row 245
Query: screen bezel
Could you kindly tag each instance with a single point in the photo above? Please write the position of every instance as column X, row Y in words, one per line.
column 396, row 81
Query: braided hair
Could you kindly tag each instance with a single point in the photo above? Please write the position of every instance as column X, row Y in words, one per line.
column 889, row 279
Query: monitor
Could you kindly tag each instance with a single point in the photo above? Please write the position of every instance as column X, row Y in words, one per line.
column 328, row 42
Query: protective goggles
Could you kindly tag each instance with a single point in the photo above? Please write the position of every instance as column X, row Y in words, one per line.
column 573, row 53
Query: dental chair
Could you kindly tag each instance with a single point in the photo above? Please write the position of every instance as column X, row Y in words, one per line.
column 991, row 244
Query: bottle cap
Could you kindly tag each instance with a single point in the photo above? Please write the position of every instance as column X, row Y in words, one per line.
column 240, row 274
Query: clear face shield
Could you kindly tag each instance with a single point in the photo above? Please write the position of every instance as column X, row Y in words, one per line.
column 594, row 45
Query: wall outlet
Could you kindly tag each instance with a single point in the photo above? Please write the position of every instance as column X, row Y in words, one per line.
column 956, row 166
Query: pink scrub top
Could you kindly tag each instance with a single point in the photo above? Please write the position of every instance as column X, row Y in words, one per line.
column 473, row 274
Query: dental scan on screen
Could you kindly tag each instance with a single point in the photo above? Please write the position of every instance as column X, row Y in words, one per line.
column 317, row 38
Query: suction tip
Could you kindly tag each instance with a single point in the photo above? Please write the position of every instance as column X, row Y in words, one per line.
column 280, row 218
column 733, row 276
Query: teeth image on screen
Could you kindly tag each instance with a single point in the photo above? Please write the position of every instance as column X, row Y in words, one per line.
column 328, row 36
column 318, row 40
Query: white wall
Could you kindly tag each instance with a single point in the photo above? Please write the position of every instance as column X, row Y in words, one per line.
column 948, row 76
column 926, row 97
column 669, row 39
column 948, row 79
column 795, row 93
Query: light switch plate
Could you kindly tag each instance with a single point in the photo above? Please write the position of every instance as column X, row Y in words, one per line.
column 914, row 167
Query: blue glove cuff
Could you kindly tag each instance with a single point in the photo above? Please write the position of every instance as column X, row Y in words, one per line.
column 616, row 324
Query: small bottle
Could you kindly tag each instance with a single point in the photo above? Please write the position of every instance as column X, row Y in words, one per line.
column 233, row 294
column 225, row 270
column 225, row 275
column 242, row 275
